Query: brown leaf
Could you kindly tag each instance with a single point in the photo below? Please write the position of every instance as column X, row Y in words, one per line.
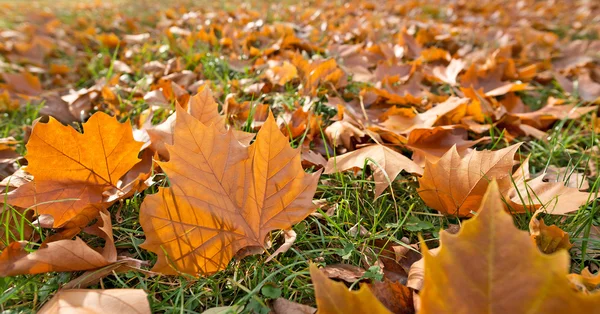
column 543, row 118
column 217, row 206
column 8, row 157
column 334, row 297
column 290, row 238
column 98, row 301
column 431, row 144
column 449, row 73
column 396, row 297
column 23, row 83
column 492, row 267
column 280, row 74
column 345, row 272
column 344, row 133
column 283, row 306
column 406, row 123
column 61, row 255
column 455, row 185
column 554, row 197
column 548, row 239
column 385, row 163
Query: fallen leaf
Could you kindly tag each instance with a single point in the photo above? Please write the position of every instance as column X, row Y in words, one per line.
column 585, row 282
column 61, row 255
column 455, row 185
column 554, row 197
column 281, row 74
column 283, row 306
column 217, row 206
column 344, row 133
column 98, row 301
column 23, row 83
column 290, row 238
column 569, row 176
column 431, row 144
column 334, row 297
column 506, row 272
column 406, row 123
column 385, row 163
column 548, row 239
column 449, row 73
column 205, row 109
column 394, row 296
column 346, row 272
column 542, row 119
column 8, row 157
column 71, row 170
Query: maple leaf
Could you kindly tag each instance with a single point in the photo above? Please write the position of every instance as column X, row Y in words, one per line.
column 8, row 157
column 455, row 185
column 223, row 197
column 395, row 296
column 526, row 194
column 544, row 117
column 281, row 73
column 449, row 73
column 406, row 123
column 61, row 255
column 385, row 163
column 201, row 106
column 334, row 297
column 432, row 144
column 23, row 83
column 585, row 282
column 72, row 171
column 98, row 301
column 549, row 239
column 492, row 267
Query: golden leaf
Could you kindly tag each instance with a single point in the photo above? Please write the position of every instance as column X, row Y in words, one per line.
column 335, row 298
column 492, row 267
column 71, row 170
column 223, row 197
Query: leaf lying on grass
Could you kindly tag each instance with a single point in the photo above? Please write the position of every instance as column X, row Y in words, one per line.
column 223, row 197
column 491, row 266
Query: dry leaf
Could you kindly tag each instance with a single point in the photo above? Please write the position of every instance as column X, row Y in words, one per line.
column 61, row 255
column 585, row 282
column 553, row 197
column 346, row 272
column 431, row 144
column 290, row 238
column 385, row 163
column 548, row 239
column 283, row 306
column 334, row 297
column 406, row 123
column 492, row 267
column 98, row 301
column 223, row 197
column 72, row 170
column 201, row 106
column 395, row 297
column 455, row 185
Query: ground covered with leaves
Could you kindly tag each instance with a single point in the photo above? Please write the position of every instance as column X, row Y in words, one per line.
column 373, row 157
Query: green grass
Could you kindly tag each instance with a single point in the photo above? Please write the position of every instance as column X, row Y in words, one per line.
column 252, row 282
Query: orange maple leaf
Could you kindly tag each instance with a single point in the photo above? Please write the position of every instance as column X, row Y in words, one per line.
column 223, row 197
column 334, row 297
column 73, row 171
column 492, row 267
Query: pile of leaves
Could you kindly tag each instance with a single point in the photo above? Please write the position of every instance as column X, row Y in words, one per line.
column 220, row 127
